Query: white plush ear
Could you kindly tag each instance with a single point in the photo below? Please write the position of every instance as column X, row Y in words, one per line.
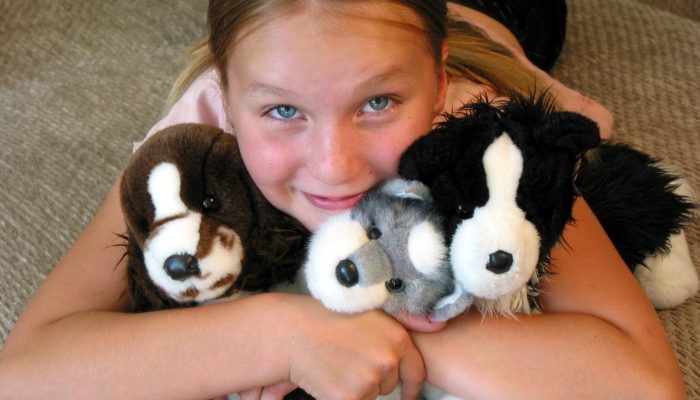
column 452, row 305
column 404, row 188
column 426, row 248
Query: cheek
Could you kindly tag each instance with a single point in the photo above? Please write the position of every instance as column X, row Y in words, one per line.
column 388, row 151
column 269, row 162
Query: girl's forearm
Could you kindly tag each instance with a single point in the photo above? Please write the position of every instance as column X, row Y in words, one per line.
column 171, row 354
column 557, row 355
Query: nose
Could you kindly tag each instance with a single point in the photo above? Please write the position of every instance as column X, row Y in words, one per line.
column 336, row 155
column 346, row 273
column 499, row 262
column 181, row 266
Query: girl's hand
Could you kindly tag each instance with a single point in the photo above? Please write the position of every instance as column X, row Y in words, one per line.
column 358, row 356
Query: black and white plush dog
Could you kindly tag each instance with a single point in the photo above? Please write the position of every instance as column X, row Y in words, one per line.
column 503, row 179
column 502, row 175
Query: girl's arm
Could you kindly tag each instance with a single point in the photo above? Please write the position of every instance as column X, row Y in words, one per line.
column 73, row 340
column 598, row 337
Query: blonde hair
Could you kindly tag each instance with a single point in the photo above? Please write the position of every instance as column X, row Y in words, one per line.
column 472, row 54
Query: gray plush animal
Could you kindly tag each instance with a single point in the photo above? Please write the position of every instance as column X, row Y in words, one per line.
column 388, row 252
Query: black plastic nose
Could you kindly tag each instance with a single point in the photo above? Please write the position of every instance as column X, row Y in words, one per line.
column 346, row 273
column 181, row 266
column 499, row 262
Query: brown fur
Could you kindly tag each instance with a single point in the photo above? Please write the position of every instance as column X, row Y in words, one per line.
column 209, row 163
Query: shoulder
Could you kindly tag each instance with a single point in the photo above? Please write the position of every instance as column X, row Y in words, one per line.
column 493, row 29
column 202, row 102
column 462, row 91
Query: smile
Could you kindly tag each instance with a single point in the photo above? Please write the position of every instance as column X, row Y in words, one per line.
column 334, row 203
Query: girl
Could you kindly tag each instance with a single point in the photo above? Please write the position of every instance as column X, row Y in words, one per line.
column 323, row 96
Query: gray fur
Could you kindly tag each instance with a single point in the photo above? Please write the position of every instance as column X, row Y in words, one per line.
column 395, row 217
column 373, row 260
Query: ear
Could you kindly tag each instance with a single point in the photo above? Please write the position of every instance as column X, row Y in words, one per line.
column 452, row 305
column 450, row 142
column 403, row 188
column 569, row 131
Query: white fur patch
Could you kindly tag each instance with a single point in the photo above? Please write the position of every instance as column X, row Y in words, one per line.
column 499, row 225
column 426, row 247
column 670, row 279
column 164, row 188
column 181, row 236
column 334, row 241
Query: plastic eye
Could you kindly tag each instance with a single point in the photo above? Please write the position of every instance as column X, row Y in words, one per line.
column 463, row 212
column 394, row 285
column 374, row 233
column 209, row 203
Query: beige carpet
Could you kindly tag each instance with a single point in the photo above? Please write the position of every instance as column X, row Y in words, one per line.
column 81, row 80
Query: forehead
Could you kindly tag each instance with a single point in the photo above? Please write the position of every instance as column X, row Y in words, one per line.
column 331, row 15
column 341, row 40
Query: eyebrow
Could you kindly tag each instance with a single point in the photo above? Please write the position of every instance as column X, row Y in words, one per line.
column 395, row 73
column 260, row 89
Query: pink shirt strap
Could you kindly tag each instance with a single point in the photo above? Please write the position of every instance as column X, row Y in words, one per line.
column 202, row 103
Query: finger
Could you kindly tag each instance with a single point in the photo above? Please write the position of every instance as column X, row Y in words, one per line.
column 389, row 383
column 278, row 390
column 411, row 373
column 419, row 323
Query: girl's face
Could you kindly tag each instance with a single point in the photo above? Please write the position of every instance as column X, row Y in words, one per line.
column 324, row 105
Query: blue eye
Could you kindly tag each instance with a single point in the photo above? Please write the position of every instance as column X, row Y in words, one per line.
column 284, row 112
column 378, row 103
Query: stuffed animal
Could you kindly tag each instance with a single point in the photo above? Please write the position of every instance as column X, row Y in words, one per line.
column 388, row 252
column 503, row 176
column 198, row 229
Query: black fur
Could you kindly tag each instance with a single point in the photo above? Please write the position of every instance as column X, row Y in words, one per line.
column 634, row 198
column 449, row 162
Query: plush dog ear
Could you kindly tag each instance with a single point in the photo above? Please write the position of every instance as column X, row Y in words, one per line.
column 430, row 154
column 569, row 131
column 559, row 129
column 450, row 141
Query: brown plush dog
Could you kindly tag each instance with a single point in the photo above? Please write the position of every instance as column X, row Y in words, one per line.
column 198, row 228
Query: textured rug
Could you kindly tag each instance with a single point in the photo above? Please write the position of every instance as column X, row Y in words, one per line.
column 81, row 80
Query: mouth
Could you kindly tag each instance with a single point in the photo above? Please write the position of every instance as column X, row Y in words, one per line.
column 335, row 203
